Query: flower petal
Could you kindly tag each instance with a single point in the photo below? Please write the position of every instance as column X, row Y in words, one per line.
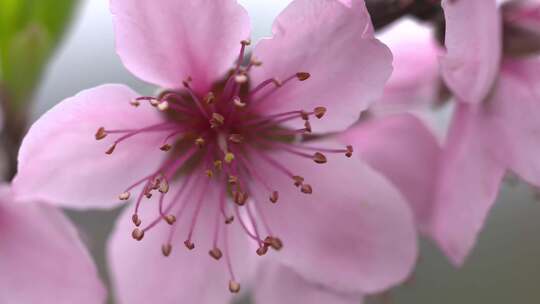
column 164, row 43
column 279, row 284
column 141, row 272
column 473, row 44
column 60, row 161
column 403, row 149
column 332, row 42
column 354, row 233
column 471, row 171
column 42, row 258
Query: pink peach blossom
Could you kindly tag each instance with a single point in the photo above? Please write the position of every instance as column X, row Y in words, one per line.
column 218, row 161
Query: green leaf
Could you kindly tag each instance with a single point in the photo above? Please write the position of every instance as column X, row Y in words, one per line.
column 29, row 32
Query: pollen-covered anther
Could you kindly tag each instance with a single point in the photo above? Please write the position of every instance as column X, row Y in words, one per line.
column 100, row 133
column 210, row 98
column 303, row 76
column 349, row 151
column 137, row 234
column 304, row 115
column 236, row 138
column 262, row 250
column 209, row 173
column 241, row 78
column 234, row 286
column 136, row 220
column 165, row 147
column 240, row 197
column 306, row 188
column 135, row 103
column 298, row 180
column 154, row 102
column 124, row 196
column 238, row 102
column 218, row 164
column 199, row 142
column 229, row 220
column 163, row 106
column 111, row 149
column 166, row 249
column 215, row 253
column 163, row 186
column 217, row 120
column 233, row 180
column 246, row 42
column 170, row 219
column 189, row 244
column 319, row 112
column 229, row 157
column 319, row 158
column 273, row 242
column 274, row 197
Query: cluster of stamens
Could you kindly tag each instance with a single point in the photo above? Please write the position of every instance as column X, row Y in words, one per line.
column 223, row 133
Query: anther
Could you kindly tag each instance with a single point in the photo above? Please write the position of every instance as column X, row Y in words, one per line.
column 319, row 158
column 111, row 149
column 307, row 126
column 274, row 197
column 209, row 98
column 186, row 82
column 137, row 234
column 233, row 180
column 163, row 186
column 229, row 220
column 234, row 286
column 216, row 120
column 236, row 138
column 124, row 196
column 304, row 115
column 319, row 112
column 298, row 180
column 200, row 142
column 306, row 188
column 349, row 151
column 245, row 42
column 209, row 173
column 241, row 78
column 165, row 147
column 262, row 250
column 101, row 133
column 302, row 76
column 255, row 62
column 189, row 244
column 215, row 253
column 154, row 102
column 170, row 219
column 163, row 106
column 136, row 220
column 166, row 249
column 135, row 103
column 218, row 164
column 238, row 102
column 229, row 157
column 240, row 198
column 273, row 242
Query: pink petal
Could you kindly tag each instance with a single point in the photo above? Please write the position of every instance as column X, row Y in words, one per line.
column 332, row 42
column 164, row 43
column 140, row 272
column 42, row 258
column 470, row 174
column 279, row 284
column 355, row 233
column 403, row 149
column 514, row 109
column 473, row 43
column 60, row 161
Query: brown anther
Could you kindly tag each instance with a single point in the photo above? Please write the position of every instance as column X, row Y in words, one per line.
column 210, row 98
column 240, row 198
column 319, row 158
column 111, row 149
column 298, row 180
column 241, row 78
column 163, row 106
column 273, row 242
column 101, row 133
column 165, row 147
column 135, row 103
column 307, row 126
column 274, row 197
column 229, row 220
column 166, row 249
column 306, row 188
column 233, row 180
column 319, row 112
column 136, row 220
column 262, row 250
column 137, row 234
column 163, row 186
column 215, row 253
column 170, row 219
column 229, row 157
column 200, row 142
column 218, row 164
column 216, row 120
column 189, row 244
column 238, row 102
column 148, row 195
column 304, row 115
column 234, row 286
column 236, row 138
column 302, row 76
column 124, row 196
column 246, row 42
column 154, row 102
column 349, row 151
column 209, row 173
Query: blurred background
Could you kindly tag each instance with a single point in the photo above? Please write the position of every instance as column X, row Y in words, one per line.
column 503, row 268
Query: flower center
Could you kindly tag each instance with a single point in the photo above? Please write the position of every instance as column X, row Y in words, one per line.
column 216, row 139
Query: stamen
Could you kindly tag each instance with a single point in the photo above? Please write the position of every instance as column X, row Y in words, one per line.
column 124, row 196
column 166, row 249
column 137, row 234
column 216, row 253
column 101, row 133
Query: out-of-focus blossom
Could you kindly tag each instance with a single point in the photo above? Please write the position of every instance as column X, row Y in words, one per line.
column 217, row 161
column 41, row 257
